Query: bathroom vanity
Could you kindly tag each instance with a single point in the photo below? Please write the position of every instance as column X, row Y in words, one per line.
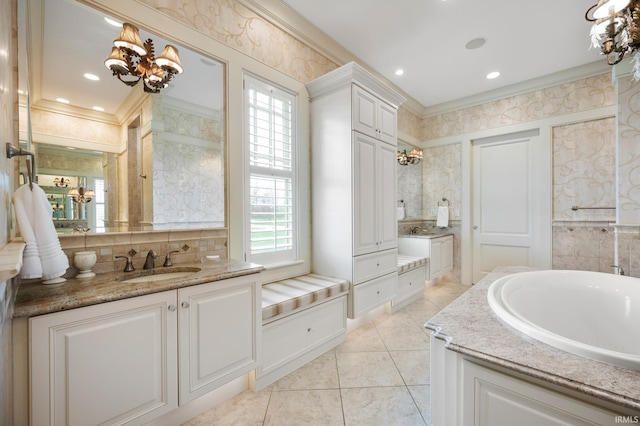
column 438, row 247
column 108, row 350
column 483, row 372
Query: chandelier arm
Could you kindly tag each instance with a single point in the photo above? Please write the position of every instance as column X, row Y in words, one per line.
column 586, row 15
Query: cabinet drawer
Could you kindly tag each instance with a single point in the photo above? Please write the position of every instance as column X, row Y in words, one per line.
column 372, row 294
column 411, row 282
column 289, row 337
column 369, row 266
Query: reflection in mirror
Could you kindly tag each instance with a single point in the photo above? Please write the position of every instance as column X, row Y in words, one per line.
column 153, row 160
column 409, row 185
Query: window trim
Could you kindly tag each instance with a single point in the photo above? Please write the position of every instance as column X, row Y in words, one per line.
column 298, row 264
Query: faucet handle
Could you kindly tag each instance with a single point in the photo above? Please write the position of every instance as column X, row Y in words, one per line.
column 167, row 258
column 129, row 266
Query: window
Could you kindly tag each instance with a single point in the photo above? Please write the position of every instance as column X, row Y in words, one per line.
column 271, row 140
column 99, row 204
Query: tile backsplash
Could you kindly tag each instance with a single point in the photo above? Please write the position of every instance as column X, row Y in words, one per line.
column 198, row 243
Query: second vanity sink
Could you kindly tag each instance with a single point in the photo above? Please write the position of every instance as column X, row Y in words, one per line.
column 159, row 275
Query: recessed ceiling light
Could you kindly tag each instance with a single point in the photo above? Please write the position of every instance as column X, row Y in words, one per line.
column 62, row 100
column 492, row 75
column 112, row 22
column 90, row 76
column 97, row 108
column 476, row 43
column 399, row 72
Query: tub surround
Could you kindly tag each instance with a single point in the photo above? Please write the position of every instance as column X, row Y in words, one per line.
column 35, row 298
column 473, row 330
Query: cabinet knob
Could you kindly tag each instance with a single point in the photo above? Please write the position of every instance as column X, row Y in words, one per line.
column 172, row 308
column 378, row 291
column 185, row 304
column 475, row 227
column 309, row 329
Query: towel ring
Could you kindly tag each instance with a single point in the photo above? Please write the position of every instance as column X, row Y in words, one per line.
column 444, row 200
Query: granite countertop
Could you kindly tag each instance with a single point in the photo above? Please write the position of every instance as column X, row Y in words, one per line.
column 34, row 298
column 427, row 235
column 476, row 331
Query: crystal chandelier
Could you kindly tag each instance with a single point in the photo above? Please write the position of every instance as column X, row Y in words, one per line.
column 616, row 30
column 413, row 157
column 131, row 57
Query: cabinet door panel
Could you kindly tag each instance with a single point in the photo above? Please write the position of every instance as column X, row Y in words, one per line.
column 364, row 195
column 217, row 331
column 387, row 123
column 364, row 112
column 105, row 364
column 387, row 181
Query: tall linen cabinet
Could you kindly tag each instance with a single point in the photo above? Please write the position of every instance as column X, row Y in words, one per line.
column 353, row 157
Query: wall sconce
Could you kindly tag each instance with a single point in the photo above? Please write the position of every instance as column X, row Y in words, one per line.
column 413, row 157
column 131, row 57
column 81, row 195
column 61, row 182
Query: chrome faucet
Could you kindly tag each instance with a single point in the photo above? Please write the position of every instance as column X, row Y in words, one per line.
column 149, row 263
column 129, row 266
column 618, row 269
column 414, row 230
column 167, row 258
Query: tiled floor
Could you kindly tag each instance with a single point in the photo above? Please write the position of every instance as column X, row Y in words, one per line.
column 378, row 376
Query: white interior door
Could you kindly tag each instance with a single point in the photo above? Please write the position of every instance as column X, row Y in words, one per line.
column 506, row 197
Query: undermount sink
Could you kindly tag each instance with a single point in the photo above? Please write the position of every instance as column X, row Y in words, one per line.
column 158, row 275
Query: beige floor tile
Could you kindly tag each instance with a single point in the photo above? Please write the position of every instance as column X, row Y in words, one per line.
column 363, row 369
column 399, row 319
column 408, row 338
column 422, row 397
column 245, row 409
column 305, row 407
column 363, row 339
column 321, row 373
column 413, row 366
column 380, row 406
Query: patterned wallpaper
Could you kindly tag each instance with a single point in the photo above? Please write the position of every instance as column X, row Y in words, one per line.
column 442, row 178
column 188, row 183
column 579, row 95
column 584, row 170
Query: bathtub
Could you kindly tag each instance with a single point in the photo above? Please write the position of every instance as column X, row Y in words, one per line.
column 592, row 314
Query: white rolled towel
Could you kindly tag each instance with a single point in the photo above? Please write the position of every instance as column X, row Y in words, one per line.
column 43, row 255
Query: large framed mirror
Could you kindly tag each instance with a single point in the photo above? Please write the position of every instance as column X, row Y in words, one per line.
column 152, row 160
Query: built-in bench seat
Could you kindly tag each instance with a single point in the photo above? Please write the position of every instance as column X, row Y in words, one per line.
column 281, row 298
column 302, row 318
column 407, row 263
column 412, row 276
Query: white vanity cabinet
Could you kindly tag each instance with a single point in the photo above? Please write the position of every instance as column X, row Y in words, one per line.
column 439, row 250
column 133, row 360
column 354, row 145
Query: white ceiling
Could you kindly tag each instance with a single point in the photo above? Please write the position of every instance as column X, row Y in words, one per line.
column 426, row 38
